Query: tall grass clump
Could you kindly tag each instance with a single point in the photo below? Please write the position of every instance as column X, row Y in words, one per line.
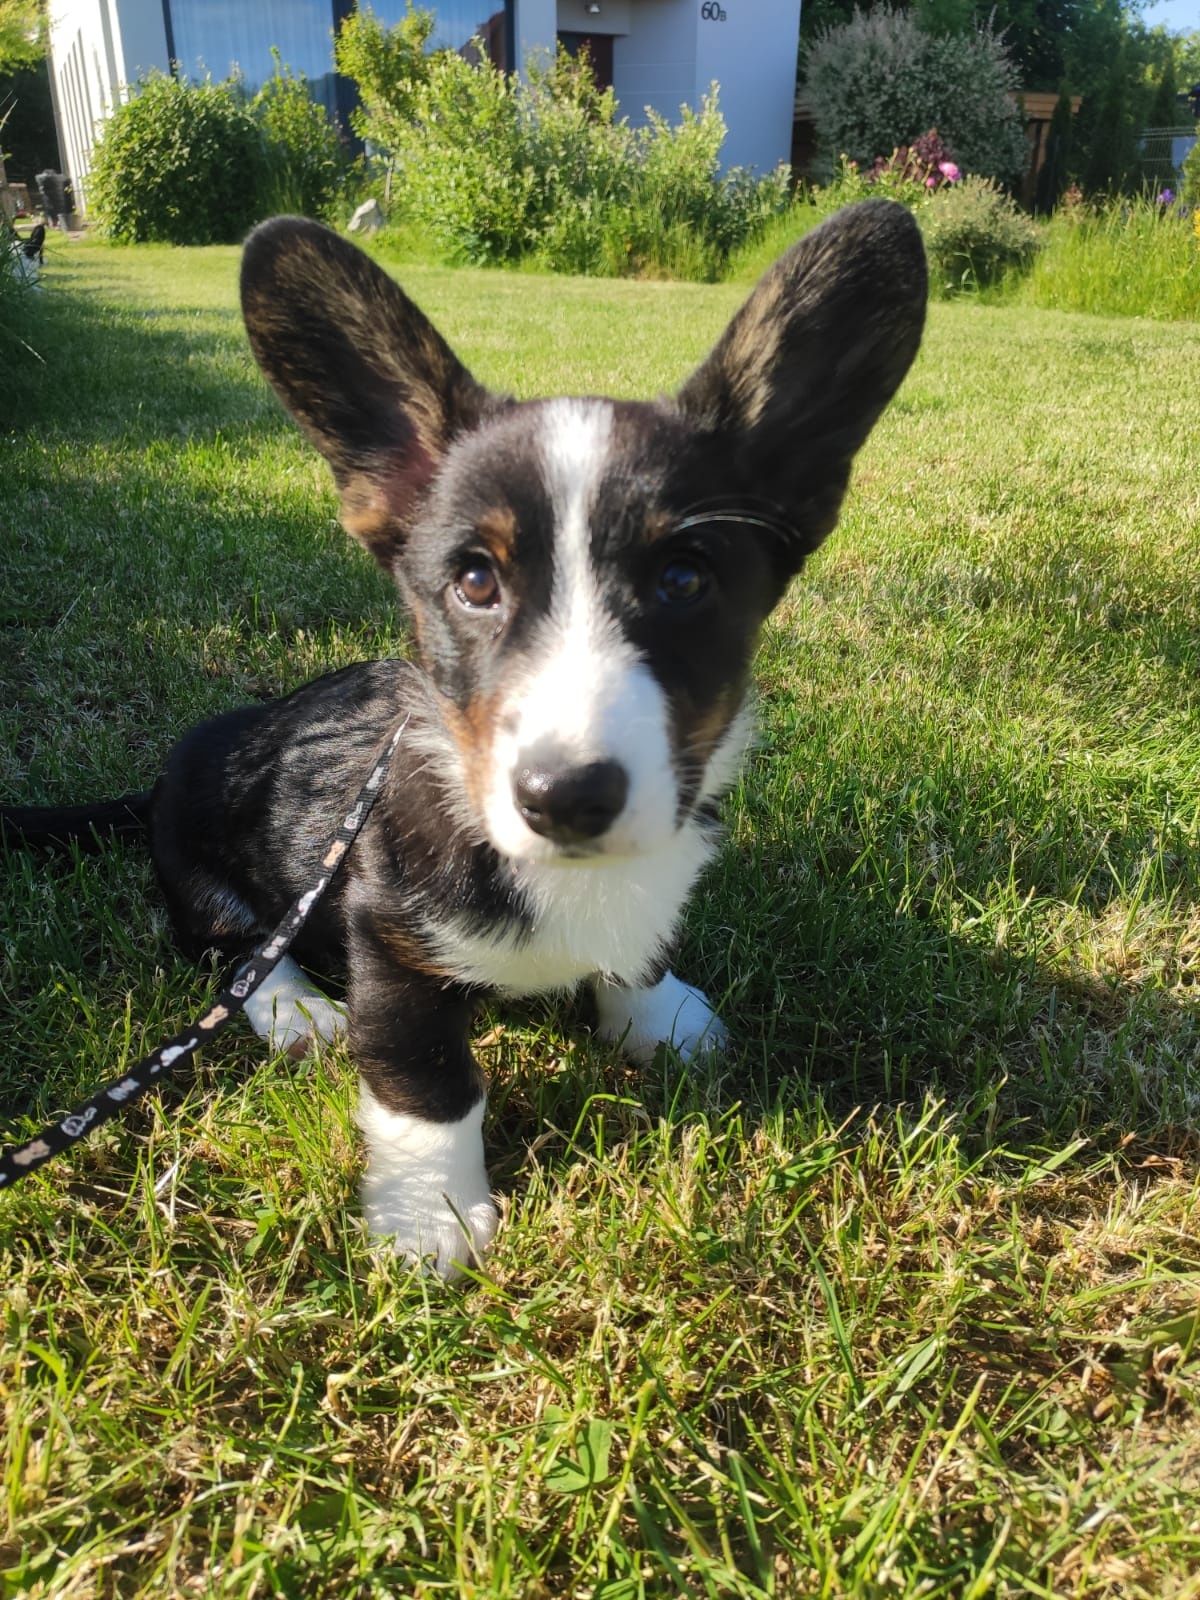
column 303, row 163
column 1120, row 257
column 747, row 264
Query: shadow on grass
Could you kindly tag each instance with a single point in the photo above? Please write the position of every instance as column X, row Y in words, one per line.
column 100, row 371
column 1022, row 1057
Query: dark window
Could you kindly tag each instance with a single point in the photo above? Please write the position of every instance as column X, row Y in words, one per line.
column 599, row 47
column 218, row 37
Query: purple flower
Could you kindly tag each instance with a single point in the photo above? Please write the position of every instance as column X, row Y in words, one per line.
column 1166, row 197
column 949, row 171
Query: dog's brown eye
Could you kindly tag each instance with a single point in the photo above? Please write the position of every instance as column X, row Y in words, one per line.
column 682, row 582
column 477, row 586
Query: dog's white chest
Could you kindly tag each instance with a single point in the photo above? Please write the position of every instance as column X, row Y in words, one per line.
column 611, row 917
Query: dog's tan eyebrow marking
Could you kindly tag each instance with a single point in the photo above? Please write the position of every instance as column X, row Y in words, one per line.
column 497, row 528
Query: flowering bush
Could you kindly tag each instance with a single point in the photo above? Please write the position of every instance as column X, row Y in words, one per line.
column 876, row 81
column 926, row 163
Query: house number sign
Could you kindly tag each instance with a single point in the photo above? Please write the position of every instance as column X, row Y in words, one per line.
column 710, row 11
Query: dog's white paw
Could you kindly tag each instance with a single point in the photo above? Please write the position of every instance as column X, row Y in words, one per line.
column 672, row 1013
column 291, row 1013
column 426, row 1189
column 441, row 1233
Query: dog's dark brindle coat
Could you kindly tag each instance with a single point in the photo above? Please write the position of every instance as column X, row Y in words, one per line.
column 586, row 581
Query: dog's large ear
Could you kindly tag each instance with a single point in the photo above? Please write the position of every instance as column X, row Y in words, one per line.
column 365, row 374
column 799, row 377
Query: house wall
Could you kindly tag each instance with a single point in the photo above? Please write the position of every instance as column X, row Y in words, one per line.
column 139, row 26
column 674, row 52
column 97, row 47
column 751, row 54
column 614, row 17
column 654, row 65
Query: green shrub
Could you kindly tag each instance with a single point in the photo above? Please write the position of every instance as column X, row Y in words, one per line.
column 680, row 216
column 879, row 81
column 494, row 169
column 386, row 66
column 459, row 169
column 198, row 163
column 178, row 162
column 974, row 234
column 577, row 156
column 303, row 161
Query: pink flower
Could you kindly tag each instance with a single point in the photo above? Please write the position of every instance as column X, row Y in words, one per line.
column 931, row 183
column 949, row 171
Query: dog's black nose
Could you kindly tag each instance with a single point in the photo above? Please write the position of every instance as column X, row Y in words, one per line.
column 573, row 804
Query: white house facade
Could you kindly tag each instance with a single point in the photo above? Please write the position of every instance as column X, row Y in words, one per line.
column 656, row 54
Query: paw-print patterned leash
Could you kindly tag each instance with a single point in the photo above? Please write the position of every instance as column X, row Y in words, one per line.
column 18, row 1161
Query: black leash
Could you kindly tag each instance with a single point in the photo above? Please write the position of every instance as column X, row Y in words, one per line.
column 18, row 1161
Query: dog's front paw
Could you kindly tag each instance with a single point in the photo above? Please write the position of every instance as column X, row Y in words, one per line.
column 671, row 1013
column 309, row 1021
column 292, row 1014
column 441, row 1232
column 426, row 1189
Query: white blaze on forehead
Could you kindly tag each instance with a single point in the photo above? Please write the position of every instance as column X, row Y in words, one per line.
column 575, row 446
column 575, row 440
column 583, row 694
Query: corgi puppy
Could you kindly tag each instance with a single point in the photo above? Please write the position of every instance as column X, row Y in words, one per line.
column 586, row 580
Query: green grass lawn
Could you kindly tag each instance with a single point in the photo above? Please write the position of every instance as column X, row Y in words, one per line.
column 902, row 1299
